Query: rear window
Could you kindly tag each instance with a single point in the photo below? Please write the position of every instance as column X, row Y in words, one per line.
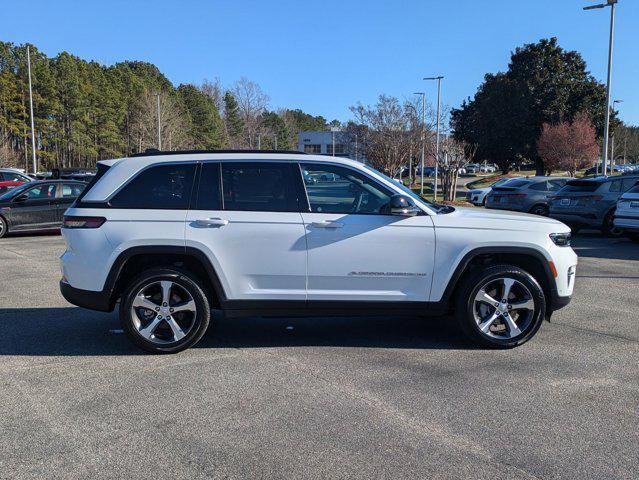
column 517, row 183
column 102, row 169
column 163, row 187
column 634, row 189
column 581, row 186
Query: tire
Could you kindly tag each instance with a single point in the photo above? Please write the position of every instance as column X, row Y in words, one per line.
column 541, row 210
column 608, row 228
column 633, row 236
column 474, row 316
column 4, row 229
column 148, row 313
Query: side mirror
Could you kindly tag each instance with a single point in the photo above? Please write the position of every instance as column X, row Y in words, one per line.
column 401, row 205
column 21, row 198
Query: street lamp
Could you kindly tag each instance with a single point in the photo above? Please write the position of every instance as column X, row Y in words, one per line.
column 604, row 148
column 439, row 91
column 423, row 138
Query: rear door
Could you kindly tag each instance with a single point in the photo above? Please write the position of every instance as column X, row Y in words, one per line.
column 34, row 208
column 246, row 219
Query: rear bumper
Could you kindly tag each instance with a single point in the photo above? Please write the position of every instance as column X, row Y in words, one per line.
column 506, row 206
column 99, row 301
column 576, row 218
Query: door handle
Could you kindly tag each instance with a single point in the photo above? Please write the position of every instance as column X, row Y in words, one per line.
column 327, row 224
column 211, row 222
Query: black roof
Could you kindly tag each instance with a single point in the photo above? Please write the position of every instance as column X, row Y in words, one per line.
column 152, row 152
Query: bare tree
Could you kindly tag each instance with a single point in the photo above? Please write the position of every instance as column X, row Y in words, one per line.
column 453, row 155
column 252, row 102
column 172, row 123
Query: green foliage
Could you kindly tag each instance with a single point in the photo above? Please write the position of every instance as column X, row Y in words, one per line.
column 234, row 123
column 205, row 124
column 543, row 84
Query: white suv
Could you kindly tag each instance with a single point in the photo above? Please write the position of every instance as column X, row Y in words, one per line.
column 173, row 235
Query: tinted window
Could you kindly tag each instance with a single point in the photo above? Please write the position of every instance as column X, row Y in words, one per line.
column 72, row 190
column 13, row 177
column 581, row 186
column 166, row 187
column 334, row 189
column 556, row 184
column 209, row 193
column 257, row 187
column 615, row 186
column 634, row 189
column 627, row 183
column 541, row 186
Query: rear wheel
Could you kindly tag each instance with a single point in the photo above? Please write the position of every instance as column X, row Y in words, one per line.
column 500, row 307
column 608, row 228
column 165, row 310
column 540, row 210
column 633, row 236
column 3, row 227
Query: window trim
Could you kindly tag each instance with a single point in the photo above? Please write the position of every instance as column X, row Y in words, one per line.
column 374, row 180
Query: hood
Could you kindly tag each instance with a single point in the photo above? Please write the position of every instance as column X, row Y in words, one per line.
column 499, row 220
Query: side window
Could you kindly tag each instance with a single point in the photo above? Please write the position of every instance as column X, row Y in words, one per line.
column 209, row 195
column 615, row 186
column 541, row 186
column 165, row 187
column 556, row 184
column 41, row 192
column 333, row 189
column 13, row 177
column 258, row 187
column 71, row 190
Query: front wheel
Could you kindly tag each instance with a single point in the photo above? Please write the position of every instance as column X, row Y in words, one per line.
column 608, row 228
column 541, row 210
column 3, row 227
column 164, row 310
column 500, row 307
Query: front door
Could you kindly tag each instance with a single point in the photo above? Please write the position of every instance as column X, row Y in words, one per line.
column 357, row 251
column 246, row 219
column 34, row 208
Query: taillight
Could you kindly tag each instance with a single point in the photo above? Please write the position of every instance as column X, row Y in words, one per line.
column 82, row 222
column 592, row 198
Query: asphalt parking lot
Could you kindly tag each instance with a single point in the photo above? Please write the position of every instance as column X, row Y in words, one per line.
column 319, row 398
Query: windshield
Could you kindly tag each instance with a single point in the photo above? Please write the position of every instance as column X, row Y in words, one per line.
column 11, row 193
column 435, row 206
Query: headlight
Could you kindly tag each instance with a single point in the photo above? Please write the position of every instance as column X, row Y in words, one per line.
column 560, row 239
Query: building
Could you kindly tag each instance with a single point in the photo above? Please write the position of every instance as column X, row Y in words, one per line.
column 321, row 143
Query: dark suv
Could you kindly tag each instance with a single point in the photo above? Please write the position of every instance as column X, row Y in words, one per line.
column 528, row 195
column 591, row 202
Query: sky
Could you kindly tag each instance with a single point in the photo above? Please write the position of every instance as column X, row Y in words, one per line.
column 325, row 56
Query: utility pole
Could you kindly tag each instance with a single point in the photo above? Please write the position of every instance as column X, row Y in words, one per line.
column 604, row 148
column 333, row 130
column 33, row 146
column 423, row 138
column 439, row 91
column 159, row 125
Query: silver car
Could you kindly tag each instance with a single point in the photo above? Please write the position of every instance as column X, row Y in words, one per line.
column 627, row 213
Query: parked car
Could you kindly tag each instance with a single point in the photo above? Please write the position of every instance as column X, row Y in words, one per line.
column 472, row 168
column 6, row 186
column 530, row 194
column 37, row 205
column 611, row 169
column 477, row 196
column 13, row 175
column 170, row 237
column 428, row 171
column 591, row 202
column 487, row 169
column 627, row 213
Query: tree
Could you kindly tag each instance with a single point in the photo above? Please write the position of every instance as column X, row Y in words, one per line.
column 568, row 145
column 205, row 124
column 252, row 102
column 453, row 155
column 543, row 84
column 232, row 121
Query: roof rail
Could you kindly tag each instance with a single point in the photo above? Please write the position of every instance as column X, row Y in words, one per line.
column 154, row 151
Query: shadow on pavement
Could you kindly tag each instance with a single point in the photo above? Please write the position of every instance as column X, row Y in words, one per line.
column 74, row 331
column 595, row 245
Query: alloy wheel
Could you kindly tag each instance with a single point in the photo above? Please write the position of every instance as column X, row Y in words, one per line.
column 163, row 312
column 503, row 308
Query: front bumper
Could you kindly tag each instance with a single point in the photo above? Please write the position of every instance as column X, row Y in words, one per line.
column 99, row 301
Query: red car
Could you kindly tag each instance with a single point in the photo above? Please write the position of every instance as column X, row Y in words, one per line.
column 6, row 186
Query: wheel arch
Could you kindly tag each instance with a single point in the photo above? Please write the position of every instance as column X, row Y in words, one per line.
column 529, row 259
column 129, row 263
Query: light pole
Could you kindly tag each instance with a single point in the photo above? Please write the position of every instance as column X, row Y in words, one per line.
column 159, row 126
column 612, row 143
column 333, row 130
column 423, row 138
column 439, row 91
column 604, row 148
column 33, row 148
